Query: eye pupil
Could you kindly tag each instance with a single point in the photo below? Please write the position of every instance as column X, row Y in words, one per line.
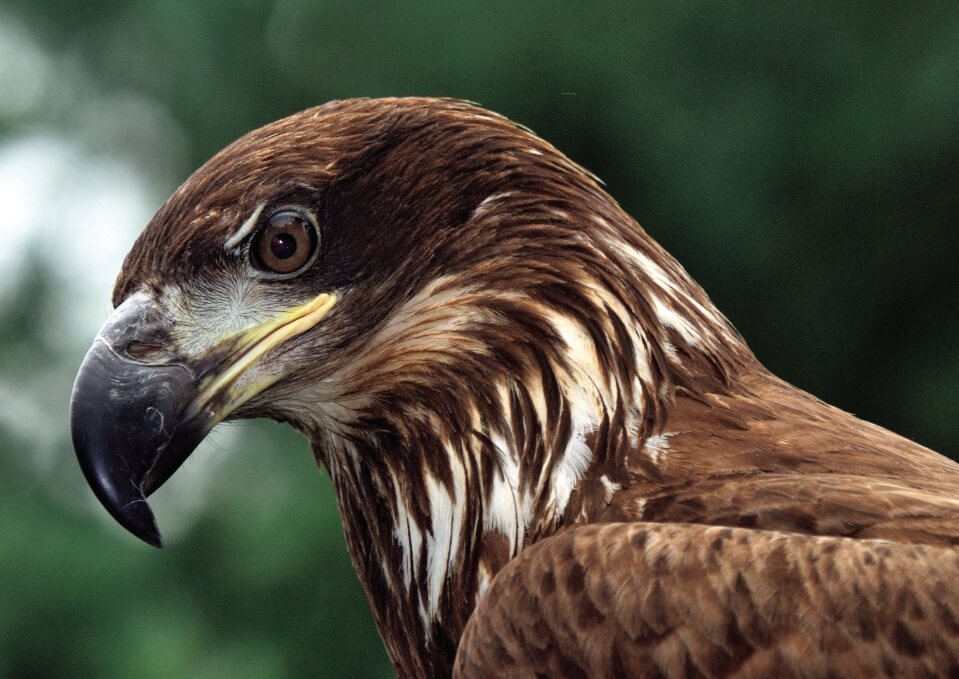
column 283, row 245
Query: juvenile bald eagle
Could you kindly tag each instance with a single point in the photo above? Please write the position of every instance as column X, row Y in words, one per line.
column 552, row 455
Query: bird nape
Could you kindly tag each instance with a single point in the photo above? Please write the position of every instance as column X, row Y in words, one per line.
column 552, row 455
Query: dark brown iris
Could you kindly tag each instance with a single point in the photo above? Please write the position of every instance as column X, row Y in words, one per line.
column 284, row 244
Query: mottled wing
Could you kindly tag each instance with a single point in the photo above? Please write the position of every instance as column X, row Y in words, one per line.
column 685, row 600
column 842, row 505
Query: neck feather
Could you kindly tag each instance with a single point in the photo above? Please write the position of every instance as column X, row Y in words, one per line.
column 473, row 416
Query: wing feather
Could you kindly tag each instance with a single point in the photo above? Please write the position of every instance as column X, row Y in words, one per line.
column 684, row 600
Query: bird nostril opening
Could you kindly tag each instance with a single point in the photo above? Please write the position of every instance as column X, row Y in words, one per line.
column 145, row 350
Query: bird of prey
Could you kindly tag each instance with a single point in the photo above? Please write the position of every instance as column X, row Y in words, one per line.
column 552, row 455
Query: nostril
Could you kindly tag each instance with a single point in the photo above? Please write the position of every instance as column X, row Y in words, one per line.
column 144, row 350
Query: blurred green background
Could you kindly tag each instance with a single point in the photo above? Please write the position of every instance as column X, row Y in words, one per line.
column 800, row 159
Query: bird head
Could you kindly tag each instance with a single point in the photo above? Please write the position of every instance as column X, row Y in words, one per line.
column 410, row 277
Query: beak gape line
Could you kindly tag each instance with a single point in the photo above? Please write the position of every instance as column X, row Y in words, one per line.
column 135, row 422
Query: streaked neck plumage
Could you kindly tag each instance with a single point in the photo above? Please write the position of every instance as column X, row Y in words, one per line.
column 473, row 416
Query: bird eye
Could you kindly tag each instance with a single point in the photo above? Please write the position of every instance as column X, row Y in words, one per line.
column 284, row 244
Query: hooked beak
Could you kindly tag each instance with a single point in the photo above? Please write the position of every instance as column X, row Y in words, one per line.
column 139, row 409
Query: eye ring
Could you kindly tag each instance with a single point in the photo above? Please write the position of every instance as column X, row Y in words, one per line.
column 285, row 245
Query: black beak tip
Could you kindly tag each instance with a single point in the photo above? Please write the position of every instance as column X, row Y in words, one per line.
column 137, row 517
column 130, row 509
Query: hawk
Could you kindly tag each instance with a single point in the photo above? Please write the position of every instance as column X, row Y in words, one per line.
column 552, row 454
